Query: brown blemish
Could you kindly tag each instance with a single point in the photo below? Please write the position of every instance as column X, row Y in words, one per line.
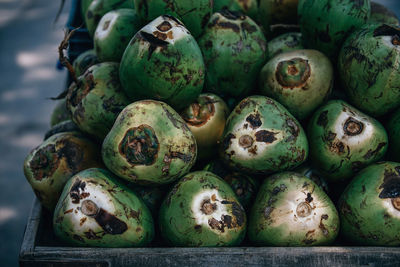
column 91, row 235
column 74, row 193
column 373, row 153
column 247, row 27
column 390, row 186
column 82, row 221
column 140, row 145
column 45, row 162
column 265, row 136
column 228, row 141
column 153, row 41
column 353, row 127
column 68, row 211
column 254, row 120
column 323, row 119
column 110, row 223
column 106, row 25
column 324, row 230
column 309, row 198
column 246, row 141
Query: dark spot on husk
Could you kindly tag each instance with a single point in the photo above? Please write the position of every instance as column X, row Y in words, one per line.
column 309, row 241
column 323, row 119
column 207, row 207
column 45, row 162
column 140, row 145
column 91, row 235
column 386, row 30
column 372, row 153
column 324, row 230
column 173, row 19
column 232, row 15
column 110, row 223
column 77, row 92
column 237, row 211
column 197, row 227
column 247, row 27
column 267, row 212
column 324, row 35
column 153, row 41
column 134, row 214
column 254, row 120
column 265, row 136
column 229, row 25
column 293, row 128
column 72, row 153
column 204, row 20
column 390, row 186
column 74, row 193
column 309, row 198
column 228, row 141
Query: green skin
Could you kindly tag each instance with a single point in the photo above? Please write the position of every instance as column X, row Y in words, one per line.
column 262, row 137
column 193, row 13
column 244, row 186
column 236, row 41
column 278, row 12
column 381, row 14
column 149, row 144
column 325, row 24
column 85, row 61
column 368, row 68
column 98, row 8
column 84, row 6
column 113, row 33
column 393, row 131
column 248, row 7
column 300, row 80
column 370, row 206
column 201, row 210
column 97, row 99
column 344, row 140
column 206, row 118
column 163, row 64
column 291, row 210
column 284, row 43
column 48, row 167
column 60, row 113
column 95, row 210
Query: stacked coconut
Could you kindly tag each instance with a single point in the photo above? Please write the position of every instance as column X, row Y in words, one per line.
column 207, row 120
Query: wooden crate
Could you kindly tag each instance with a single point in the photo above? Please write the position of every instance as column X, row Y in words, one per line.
column 40, row 248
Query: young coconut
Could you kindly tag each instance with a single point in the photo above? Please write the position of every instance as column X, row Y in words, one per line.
column 344, row 140
column 163, row 62
column 291, row 210
column 98, row 8
column 96, row 99
column 368, row 68
column 193, row 13
column 262, row 137
column 206, row 118
column 201, row 210
column 370, row 206
column 96, row 210
column 149, row 144
column 300, row 80
column 113, row 33
column 235, row 40
column 284, row 43
column 325, row 24
column 48, row 167
column 85, row 61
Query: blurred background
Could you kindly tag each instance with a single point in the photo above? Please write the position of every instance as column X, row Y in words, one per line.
column 28, row 76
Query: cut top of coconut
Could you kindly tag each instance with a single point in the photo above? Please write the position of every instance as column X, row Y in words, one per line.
column 166, row 29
